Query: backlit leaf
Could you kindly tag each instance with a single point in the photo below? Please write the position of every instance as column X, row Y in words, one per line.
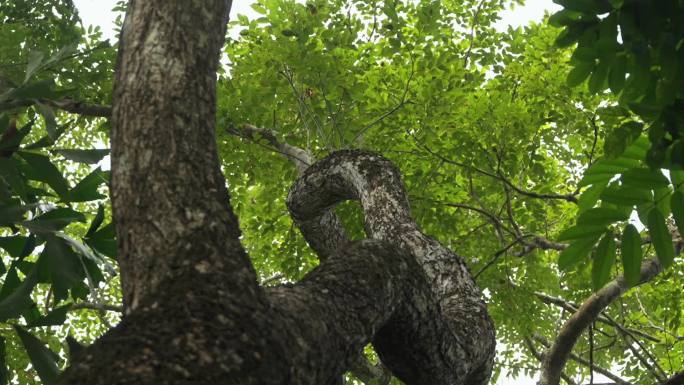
column 604, row 258
column 630, row 250
column 43, row 360
column 661, row 238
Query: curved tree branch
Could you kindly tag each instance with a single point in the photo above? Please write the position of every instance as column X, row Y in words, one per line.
column 540, row 357
column 194, row 311
column 589, row 364
column 448, row 350
column 559, row 352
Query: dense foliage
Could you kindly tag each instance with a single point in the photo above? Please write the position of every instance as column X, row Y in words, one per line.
column 505, row 152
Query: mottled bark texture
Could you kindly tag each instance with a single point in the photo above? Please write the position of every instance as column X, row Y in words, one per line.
column 458, row 345
column 194, row 313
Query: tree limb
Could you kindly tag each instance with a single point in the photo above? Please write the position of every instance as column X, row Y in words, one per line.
column 68, row 105
column 97, row 306
column 578, row 359
column 603, row 317
column 566, row 197
column 538, row 355
column 376, row 183
column 300, row 157
column 558, row 353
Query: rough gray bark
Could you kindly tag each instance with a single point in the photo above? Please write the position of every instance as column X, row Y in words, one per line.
column 460, row 342
column 194, row 313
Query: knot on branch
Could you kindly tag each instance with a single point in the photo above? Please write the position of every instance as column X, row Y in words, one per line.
column 441, row 333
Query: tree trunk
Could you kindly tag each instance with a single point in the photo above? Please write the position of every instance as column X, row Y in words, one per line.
column 194, row 313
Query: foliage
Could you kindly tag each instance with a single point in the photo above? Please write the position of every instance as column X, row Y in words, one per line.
column 57, row 248
column 503, row 153
column 635, row 49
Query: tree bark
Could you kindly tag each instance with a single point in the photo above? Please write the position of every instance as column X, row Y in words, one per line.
column 558, row 353
column 193, row 311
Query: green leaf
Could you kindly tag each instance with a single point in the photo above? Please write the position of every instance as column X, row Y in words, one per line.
column 41, row 169
column 54, row 220
column 604, row 258
column 677, row 177
column 626, row 195
column 14, row 245
column 602, row 216
column 616, row 77
column 661, row 198
column 104, row 241
column 564, row 17
column 617, row 142
column 677, row 207
column 591, row 7
column 47, row 140
column 12, row 213
column 581, row 231
column 90, row 256
column 630, row 249
column 43, row 360
column 83, row 156
column 605, row 169
column 575, row 252
column 637, row 150
column 96, row 222
column 590, row 196
column 661, row 238
column 50, row 119
column 12, row 176
column 35, row 90
column 578, row 74
column 18, row 299
column 55, row 317
column 62, row 263
column 598, row 77
column 34, row 61
column 86, row 189
column 645, row 178
column 258, row 8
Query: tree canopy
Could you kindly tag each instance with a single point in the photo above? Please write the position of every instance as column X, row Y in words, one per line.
column 549, row 158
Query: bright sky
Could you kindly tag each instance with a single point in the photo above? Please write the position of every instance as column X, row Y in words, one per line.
column 97, row 12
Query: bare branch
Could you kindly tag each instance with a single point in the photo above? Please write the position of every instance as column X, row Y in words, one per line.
column 97, row 306
column 540, row 357
column 603, row 317
column 81, row 108
column 558, row 354
column 566, row 197
column 300, row 157
column 580, row 360
column 68, row 105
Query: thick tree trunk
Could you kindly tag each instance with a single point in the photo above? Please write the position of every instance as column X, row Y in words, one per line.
column 194, row 311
